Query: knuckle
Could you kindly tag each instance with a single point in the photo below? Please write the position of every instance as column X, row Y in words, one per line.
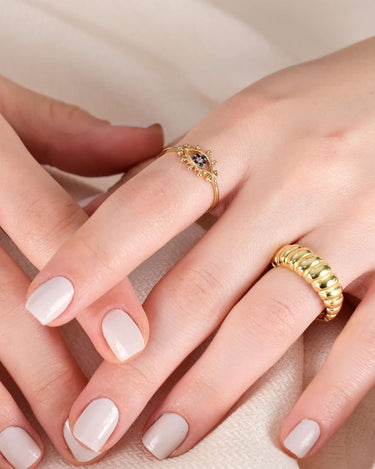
column 58, row 109
column 8, row 409
column 45, row 389
column 155, row 190
column 141, row 381
column 199, row 388
column 88, row 248
column 155, row 187
column 367, row 351
column 273, row 318
column 45, row 222
column 9, row 291
column 11, row 302
column 196, row 292
column 341, row 396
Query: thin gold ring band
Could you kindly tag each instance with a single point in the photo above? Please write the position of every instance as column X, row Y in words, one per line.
column 200, row 162
column 316, row 272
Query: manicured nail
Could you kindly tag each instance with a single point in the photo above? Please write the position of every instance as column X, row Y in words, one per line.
column 18, row 448
column 80, row 453
column 122, row 334
column 51, row 299
column 302, row 438
column 165, row 435
column 96, row 423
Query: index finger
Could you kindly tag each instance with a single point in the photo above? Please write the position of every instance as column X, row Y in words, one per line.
column 134, row 222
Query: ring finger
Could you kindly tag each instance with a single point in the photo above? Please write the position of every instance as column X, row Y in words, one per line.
column 262, row 325
column 138, row 219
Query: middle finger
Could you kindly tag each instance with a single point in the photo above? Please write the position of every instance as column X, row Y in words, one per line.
column 138, row 218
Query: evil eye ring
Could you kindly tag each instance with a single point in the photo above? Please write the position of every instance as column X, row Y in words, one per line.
column 200, row 162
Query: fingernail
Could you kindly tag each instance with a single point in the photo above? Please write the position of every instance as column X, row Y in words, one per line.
column 132, row 124
column 302, row 438
column 80, row 453
column 122, row 334
column 18, row 448
column 96, row 423
column 51, row 299
column 165, row 435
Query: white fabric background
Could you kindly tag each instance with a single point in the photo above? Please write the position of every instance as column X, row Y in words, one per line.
column 171, row 61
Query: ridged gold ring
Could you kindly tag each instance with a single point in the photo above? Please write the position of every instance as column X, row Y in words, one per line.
column 200, row 162
column 316, row 272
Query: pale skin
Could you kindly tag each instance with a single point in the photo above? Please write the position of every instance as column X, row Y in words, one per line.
column 39, row 216
column 295, row 161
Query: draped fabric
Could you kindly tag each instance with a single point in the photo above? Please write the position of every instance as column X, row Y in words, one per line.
column 169, row 61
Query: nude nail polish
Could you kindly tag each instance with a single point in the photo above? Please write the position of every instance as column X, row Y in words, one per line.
column 96, row 423
column 50, row 299
column 165, row 435
column 302, row 438
column 79, row 452
column 18, row 448
column 122, row 334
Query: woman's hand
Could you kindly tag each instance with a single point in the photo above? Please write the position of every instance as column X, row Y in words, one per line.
column 39, row 216
column 296, row 164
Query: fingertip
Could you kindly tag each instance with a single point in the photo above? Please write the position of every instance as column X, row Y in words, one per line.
column 301, row 438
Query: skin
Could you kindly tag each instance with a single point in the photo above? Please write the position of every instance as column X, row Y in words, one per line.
column 293, row 149
column 39, row 216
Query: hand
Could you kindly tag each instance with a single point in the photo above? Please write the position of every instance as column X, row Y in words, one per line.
column 39, row 216
column 296, row 165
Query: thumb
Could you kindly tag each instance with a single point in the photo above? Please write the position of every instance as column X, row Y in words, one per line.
column 69, row 138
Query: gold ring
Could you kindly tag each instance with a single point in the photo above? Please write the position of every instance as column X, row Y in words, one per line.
column 199, row 161
column 316, row 272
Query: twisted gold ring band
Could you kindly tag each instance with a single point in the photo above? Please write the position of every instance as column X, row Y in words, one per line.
column 199, row 161
column 316, row 272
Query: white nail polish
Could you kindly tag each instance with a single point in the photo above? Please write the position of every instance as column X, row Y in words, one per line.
column 302, row 438
column 51, row 299
column 80, row 453
column 96, row 423
column 18, row 448
column 122, row 334
column 165, row 435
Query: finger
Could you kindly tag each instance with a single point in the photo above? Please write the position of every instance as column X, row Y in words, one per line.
column 20, row 445
column 39, row 216
column 275, row 311
column 71, row 139
column 127, row 388
column 211, row 387
column 127, row 228
column 50, row 380
column 188, row 304
column 345, row 378
column 95, row 202
column 184, row 308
